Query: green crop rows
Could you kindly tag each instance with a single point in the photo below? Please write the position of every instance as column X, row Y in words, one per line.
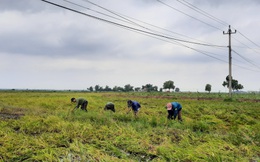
column 40, row 126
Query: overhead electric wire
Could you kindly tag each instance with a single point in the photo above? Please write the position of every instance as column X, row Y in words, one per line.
column 219, row 21
column 248, row 39
column 132, row 28
column 191, row 6
column 182, row 35
column 205, row 53
column 247, row 60
column 101, row 13
column 209, row 54
column 202, row 52
column 136, row 30
column 110, row 11
column 188, row 15
column 180, row 44
column 123, row 18
column 246, row 68
column 127, row 18
column 245, row 45
column 199, row 51
column 148, row 33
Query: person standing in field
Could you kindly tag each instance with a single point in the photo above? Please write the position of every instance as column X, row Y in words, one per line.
column 134, row 105
column 174, row 110
column 110, row 106
column 80, row 102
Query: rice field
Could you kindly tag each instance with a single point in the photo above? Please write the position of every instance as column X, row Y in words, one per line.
column 41, row 126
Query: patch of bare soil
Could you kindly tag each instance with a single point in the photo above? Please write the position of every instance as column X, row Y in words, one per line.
column 250, row 100
column 11, row 113
column 10, row 116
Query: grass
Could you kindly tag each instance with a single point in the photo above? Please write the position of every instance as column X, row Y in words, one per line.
column 39, row 126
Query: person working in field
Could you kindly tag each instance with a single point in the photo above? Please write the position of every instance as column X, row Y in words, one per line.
column 110, row 106
column 80, row 102
column 174, row 110
column 134, row 105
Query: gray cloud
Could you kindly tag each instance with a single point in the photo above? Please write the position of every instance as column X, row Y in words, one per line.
column 30, row 6
column 225, row 2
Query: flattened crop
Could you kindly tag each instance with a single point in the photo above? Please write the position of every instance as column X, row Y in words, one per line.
column 11, row 113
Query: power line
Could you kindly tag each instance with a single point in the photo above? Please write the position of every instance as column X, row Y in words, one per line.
column 249, row 39
column 188, row 15
column 223, row 23
column 202, row 12
column 111, row 12
column 209, row 54
column 245, row 45
column 193, row 7
column 247, row 60
column 131, row 28
column 101, row 13
column 205, row 53
column 127, row 19
column 247, row 68
column 156, row 36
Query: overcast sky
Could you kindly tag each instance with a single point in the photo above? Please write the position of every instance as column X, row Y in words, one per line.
column 136, row 42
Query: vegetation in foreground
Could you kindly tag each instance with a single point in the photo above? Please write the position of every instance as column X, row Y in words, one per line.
column 39, row 126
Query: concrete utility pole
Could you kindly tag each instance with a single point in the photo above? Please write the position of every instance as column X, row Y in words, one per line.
column 230, row 61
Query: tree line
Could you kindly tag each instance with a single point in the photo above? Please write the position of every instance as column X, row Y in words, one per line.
column 167, row 86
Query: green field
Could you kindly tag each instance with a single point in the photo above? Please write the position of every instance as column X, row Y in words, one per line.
column 40, row 126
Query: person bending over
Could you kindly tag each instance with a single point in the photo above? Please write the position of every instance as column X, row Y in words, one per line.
column 134, row 105
column 174, row 110
column 80, row 102
column 110, row 106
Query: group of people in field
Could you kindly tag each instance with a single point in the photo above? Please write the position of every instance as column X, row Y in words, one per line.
column 173, row 108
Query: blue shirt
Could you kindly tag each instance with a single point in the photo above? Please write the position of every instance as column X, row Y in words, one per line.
column 176, row 107
column 135, row 105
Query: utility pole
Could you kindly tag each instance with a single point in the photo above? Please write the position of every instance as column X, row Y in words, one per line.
column 230, row 61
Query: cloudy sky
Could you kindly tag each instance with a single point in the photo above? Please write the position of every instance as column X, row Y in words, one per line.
column 136, row 42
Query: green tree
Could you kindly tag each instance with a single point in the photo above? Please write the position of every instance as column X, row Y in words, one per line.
column 234, row 84
column 149, row 88
column 91, row 89
column 208, row 87
column 168, row 85
column 116, row 89
column 155, row 88
column 107, row 88
column 128, row 88
column 177, row 89
column 97, row 88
